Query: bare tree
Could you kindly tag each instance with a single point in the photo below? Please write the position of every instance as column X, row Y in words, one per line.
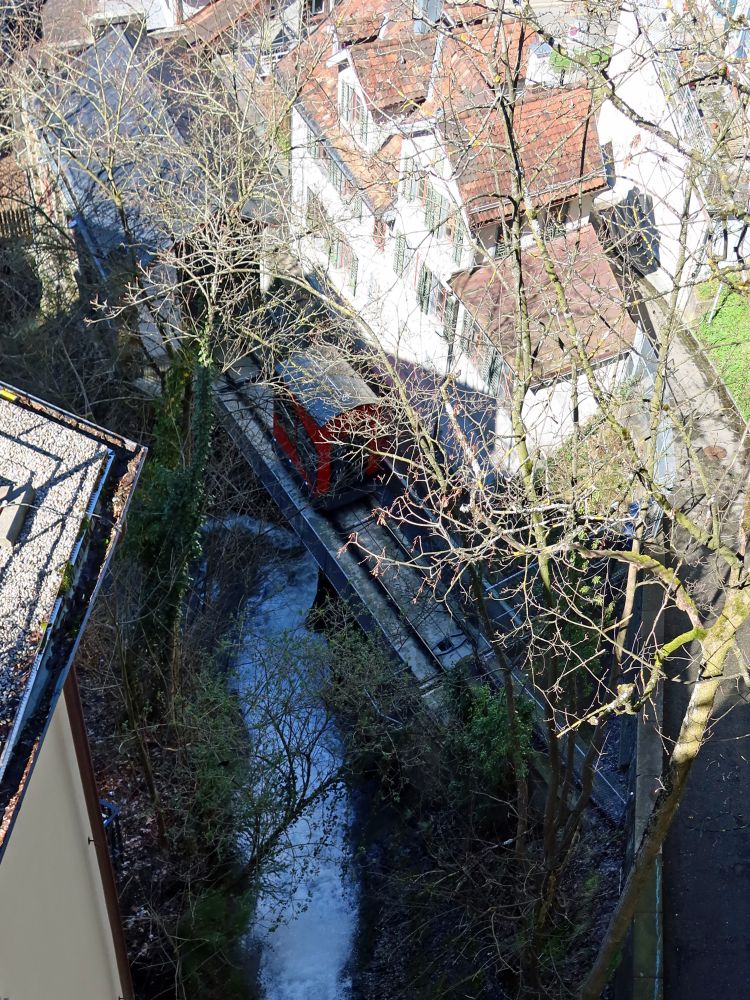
column 534, row 387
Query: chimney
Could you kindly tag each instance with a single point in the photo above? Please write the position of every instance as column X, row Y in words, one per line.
column 426, row 13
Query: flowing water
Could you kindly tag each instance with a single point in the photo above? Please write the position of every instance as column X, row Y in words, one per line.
column 304, row 927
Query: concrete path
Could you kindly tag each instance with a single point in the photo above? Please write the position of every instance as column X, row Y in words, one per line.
column 706, row 858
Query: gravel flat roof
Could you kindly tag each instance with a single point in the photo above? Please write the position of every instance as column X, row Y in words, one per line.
column 63, row 467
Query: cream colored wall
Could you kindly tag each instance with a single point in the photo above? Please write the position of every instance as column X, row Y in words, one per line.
column 54, row 931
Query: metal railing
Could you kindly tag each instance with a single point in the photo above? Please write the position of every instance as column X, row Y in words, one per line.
column 111, row 823
column 686, row 116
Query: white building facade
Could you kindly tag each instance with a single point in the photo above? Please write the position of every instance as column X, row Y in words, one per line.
column 666, row 173
column 397, row 210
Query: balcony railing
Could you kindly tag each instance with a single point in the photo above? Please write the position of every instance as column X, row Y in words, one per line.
column 686, row 117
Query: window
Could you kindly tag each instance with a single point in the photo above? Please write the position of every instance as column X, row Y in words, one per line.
column 439, row 214
column 315, row 6
column 469, row 335
column 335, row 174
column 353, row 112
column 416, row 183
column 492, row 368
column 435, row 300
column 485, row 356
column 311, row 141
column 315, row 214
column 378, row 234
column 343, row 258
column 503, row 249
column 411, row 180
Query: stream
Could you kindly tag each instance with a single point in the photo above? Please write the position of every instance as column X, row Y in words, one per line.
column 301, row 939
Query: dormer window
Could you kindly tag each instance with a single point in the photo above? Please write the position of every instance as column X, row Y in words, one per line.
column 353, row 112
column 416, row 183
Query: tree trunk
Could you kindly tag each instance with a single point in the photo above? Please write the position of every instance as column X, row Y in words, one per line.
column 718, row 641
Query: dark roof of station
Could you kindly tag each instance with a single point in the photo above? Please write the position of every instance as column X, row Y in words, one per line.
column 50, row 576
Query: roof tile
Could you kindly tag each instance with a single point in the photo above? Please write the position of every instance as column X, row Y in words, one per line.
column 604, row 325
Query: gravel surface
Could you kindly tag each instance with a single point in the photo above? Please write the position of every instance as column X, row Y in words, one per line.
column 62, row 465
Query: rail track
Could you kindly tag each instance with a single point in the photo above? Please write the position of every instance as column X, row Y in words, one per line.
column 372, row 566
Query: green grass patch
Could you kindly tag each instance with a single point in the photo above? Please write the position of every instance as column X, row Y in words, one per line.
column 706, row 290
column 727, row 343
column 596, row 57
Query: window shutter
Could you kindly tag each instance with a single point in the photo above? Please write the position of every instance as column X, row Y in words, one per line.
column 353, row 274
column 443, row 211
column 363, row 125
column 458, row 243
column 346, row 101
column 399, row 254
column 466, row 334
column 485, row 351
column 493, row 373
column 449, row 318
column 430, row 210
column 423, row 288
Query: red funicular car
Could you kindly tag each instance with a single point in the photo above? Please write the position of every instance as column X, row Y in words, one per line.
column 326, row 420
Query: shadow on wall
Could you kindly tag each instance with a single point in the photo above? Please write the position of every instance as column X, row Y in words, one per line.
column 631, row 231
column 20, row 285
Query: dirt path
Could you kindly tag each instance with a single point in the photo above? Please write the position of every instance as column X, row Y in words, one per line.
column 706, row 858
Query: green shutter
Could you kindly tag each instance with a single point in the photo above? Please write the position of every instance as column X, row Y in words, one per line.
column 449, row 318
column 485, row 352
column 353, row 274
column 458, row 243
column 363, row 125
column 466, row 335
column 345, row 102
column 424, row 283
column 399, row 254
column 442, row 214
column 431, row 209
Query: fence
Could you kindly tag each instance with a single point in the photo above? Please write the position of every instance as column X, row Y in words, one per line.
column 15, row 224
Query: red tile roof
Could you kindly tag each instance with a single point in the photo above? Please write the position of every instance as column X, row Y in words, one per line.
column 395, row 72
column 477, row 60
column 557, row 142
column 224, row 16
column 305, row 72
column 555, row 130
column 604, row 326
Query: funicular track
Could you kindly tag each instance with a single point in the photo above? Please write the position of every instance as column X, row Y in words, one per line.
column 371, row 565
